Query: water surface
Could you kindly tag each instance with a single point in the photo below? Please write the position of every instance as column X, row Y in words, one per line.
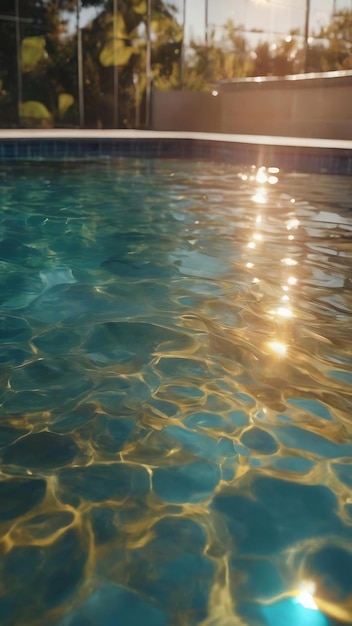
column 175, row 400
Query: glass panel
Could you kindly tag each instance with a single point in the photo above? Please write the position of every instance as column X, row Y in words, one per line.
column 48, row 66
column 8, row 66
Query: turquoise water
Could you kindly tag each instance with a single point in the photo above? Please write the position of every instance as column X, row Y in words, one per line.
column 175, row 400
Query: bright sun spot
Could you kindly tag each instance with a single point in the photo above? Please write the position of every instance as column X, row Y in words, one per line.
column 261, row 176
column 283, row 311
column 289, row 261
column 278, row 347
column 293, row 223
column 259, row 197
column 307, row 600
column 272, row 180
column 305, row 596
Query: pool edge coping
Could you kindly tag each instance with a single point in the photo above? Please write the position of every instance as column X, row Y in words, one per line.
column 262, row 140
column 290, row 154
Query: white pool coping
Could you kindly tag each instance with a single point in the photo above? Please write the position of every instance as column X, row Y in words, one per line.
column 265, row 140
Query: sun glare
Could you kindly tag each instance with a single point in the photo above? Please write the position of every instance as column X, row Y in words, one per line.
column 259, row 197
column 305, row 596
column 282, row 311
column 277, row 347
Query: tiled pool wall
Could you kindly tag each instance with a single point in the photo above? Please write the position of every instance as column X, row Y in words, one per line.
column 301, row 158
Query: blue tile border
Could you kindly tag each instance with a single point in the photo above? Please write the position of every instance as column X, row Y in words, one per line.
column 290, row 158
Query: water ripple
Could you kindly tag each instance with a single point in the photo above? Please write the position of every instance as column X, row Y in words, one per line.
column 175, row 395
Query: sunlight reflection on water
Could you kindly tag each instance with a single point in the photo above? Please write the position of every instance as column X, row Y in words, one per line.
column 175, row 395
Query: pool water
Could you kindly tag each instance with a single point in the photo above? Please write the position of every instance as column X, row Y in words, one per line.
column 176, row 371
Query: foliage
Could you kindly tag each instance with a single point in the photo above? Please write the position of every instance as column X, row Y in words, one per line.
column 207, row 64
column 65, row 101
column 115, row 56
column 34, row 113
column 281, row 59
column 32, row 52
column 335, row 51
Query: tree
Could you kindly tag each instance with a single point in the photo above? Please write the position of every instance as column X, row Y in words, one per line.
column 116, row 54
column 281, row 59
column 8, row 66
column 114, row 49
column 47, row 62
column 120, row 42
column 334, row 51
column 225, row 59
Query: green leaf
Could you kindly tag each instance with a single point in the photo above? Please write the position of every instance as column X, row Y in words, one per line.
column 167, row 30
column 65, row 101
column 166, row 83
column 140, row 7
column 117, row 27
column 34, row 113
column 32, row 52
column 115, row 52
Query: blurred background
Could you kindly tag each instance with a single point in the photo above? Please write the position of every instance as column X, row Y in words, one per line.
column 96, row 63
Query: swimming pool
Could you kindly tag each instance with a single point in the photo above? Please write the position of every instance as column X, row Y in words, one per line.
column 175, row 394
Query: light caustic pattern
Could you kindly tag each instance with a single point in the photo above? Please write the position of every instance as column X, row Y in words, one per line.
column 175, row 401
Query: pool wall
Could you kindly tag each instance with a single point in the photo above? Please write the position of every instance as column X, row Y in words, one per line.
column 288, row 153
column 302, row 105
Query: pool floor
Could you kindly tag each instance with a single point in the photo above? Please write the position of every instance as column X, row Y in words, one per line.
column 175, row 399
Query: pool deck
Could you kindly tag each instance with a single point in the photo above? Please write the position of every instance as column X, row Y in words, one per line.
column 267, row 140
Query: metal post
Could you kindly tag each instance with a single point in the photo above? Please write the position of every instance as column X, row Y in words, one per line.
column 18, row 54
column 206, row 23
column 306, row 35
column 80, row 66
column 116, row 68
column 136, row 86
column 182, row 62
column 148, row 91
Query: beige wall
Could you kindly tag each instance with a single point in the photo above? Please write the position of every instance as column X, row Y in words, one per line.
column 186, row 110
column 313, row 108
